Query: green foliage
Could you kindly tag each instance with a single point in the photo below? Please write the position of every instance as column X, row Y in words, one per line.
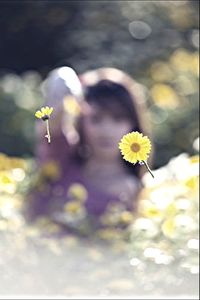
column 19, row 98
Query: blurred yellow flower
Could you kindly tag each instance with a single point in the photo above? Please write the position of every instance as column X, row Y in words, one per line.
column 194, row 159
column 164, row 96
column 161, row 71
column 77, row 191
column 183, row 19
column 193, row 183
column 51, row 170
column 135, row 147
column 8, row 163
column 71, row 106
column 181, row 60
column 126, row 217
column 171, row 209
column 44, row 113
column 73, row 207
column 7, row 183
column 184, row 61
column 109, row 234
column 5, row 179
column 168, row 228
column 151, row 211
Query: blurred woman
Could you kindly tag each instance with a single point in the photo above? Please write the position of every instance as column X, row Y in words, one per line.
column 89, row 174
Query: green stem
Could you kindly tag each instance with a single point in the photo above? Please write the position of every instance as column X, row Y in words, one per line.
column 48, row 136
column 146, row 165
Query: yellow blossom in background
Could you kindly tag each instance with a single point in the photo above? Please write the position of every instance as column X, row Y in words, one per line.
column 161, row 71
column 71, row 106
column 135, row 147
column 51, row 170
column 44, row 113
column 194, row 67
column 3, row 161
column 171, row 205
column 5, row 178
column 192, row 183
column 77, row 191
column 183, row 19
column 7, row 183
column 185, row 61
column 171, row 210
column 149, row 210
column 194, row 159
column 73, row 207
column 168, row 228
column 181, row 60
column 164, row 96
column 16, row 163
column 109, row 234
column 126, row 217
column 8, row 163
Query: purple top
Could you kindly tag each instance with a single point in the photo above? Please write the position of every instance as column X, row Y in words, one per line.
column 55, row 194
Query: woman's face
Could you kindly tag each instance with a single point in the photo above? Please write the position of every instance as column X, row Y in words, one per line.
column 103, row 131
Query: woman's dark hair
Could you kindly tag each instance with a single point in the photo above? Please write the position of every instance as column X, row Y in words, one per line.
column 118, row 99
column 114, row 98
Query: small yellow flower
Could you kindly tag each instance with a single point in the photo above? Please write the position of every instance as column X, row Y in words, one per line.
column 50, row 170
column 71, row 106
column 78, row 191
column 149, row 210
column 168, row 228
column 126, row 217
column 135, row 148
column 44, row 113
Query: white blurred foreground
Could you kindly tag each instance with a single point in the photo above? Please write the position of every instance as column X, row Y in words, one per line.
column 155, row 258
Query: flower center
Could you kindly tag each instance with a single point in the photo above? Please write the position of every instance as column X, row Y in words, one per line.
column 135, row 147
column 45, row 117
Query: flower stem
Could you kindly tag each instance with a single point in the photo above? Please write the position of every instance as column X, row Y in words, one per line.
column 48, row 136
column 146, row 165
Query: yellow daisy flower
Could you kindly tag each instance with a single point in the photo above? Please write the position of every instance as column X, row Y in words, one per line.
column 44, row 113
column 135, row 148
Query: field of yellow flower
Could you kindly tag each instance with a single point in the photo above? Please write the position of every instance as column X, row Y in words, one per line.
column 156, row 254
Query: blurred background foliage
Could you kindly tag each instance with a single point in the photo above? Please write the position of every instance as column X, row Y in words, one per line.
column 156, row 42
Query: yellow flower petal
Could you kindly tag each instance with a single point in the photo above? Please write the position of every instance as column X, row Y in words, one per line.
column 50, row 110
column 38, row 114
